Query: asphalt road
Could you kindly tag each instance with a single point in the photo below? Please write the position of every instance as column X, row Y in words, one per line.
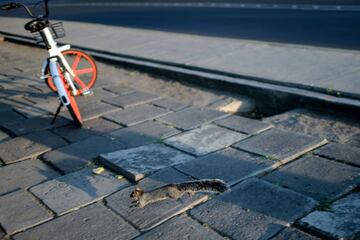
column 336, row 29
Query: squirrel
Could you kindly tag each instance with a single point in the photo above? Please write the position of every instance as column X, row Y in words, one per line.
column 176, row 190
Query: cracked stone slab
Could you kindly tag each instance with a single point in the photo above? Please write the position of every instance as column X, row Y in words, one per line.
column 341, row 152
column 180, row 226
column 280, row 145
column 143, row 133
column 90, row 128
column 35, row 124
column 192, row 117
column 244, row 125
column 230, row 165
column 9, row 117
column 170, row 104
column 204, row 140
column 156, row 213
column 29, row 146
column 332, row 126
column 77, row 189
column 132, row 99
column 91, row 222
column 342, row 221
column 290, row 233
column 24, row 174
column 19, row 210
column 136, row 163
column 254, row 209
column 317, row 177
column 76, row 155
column 135, row 115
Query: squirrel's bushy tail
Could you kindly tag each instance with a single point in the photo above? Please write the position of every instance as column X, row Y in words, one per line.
column 205, row 185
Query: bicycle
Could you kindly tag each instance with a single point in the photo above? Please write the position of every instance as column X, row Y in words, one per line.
column 66, row 79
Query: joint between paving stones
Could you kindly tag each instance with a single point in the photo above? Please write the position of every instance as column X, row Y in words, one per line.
column 335, row 160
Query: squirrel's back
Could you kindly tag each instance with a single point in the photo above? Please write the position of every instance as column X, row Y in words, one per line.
column 204, row 185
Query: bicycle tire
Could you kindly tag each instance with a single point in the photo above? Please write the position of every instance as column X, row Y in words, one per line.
column 72, row 107
column 91, row 71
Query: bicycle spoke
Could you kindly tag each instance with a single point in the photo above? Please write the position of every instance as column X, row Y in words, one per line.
column 83, row 71
column 81, row 83
column 76, row 62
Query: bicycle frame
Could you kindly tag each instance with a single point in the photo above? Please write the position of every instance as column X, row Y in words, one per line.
column 56, row 56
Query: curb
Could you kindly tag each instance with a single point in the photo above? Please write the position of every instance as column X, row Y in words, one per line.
column 271, row 98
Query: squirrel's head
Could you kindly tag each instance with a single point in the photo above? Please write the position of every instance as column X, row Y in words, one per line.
column 137, row 193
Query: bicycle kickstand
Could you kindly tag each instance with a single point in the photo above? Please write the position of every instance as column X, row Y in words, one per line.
column 56, row 113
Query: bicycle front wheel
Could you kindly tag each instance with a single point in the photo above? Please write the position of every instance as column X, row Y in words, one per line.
column 73, row 107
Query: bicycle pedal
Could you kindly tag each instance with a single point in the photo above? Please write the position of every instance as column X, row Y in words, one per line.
column 87, row 93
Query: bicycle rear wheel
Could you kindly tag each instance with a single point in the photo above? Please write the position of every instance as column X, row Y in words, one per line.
column 83, row 66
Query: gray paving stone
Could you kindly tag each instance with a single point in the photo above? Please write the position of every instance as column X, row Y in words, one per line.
column 136, row 163
column 229, row 165
column 153, row 214
column 98, row 95
column 143, row 133
column 342, row 221
column 293, row 234
column 341, row 152
column 76, row 155
column 29, row 146
column 178, row 227
column 253, row 209
column 204, row 140
column 244, row 125
column 332, row 126
column 91, row 222
column 170, row 104
column 35, row 124
column 9, row 117
column 119, row 89
column 354, row 140
column 24, row 174
column 19, row 210
column 90, row 128
column 94, row 110
column 131, row 99
column 280, row 145
column 317, row 177
column 136, row 115
column 192, row 117
column 3, row 136
column 77, row 189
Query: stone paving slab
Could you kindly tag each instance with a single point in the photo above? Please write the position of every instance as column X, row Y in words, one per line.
column 290, row 233
column 94, row 110
column 143, row 133
column 180, row 227
column 76, row 155
column 244, row 125
column 3, row 136
column 91, row 222
column 29, row 146
column 342, row 221
column 204, row 140
column 317, row 177
column 136, row 115
column 332, row 126
column 9, row 116
column 153, row 214
column 254, row 209
column 35, row 124
column 280, row 145
column 77, row 189
column 98, row 95
column 170, row 104
column 192, row 117
column 132, row 99
column 19, row 210
column 136, row 163
column 230, row 165
column 90, row 128
column 24, row 174
column 341, row 152
column 118, row 89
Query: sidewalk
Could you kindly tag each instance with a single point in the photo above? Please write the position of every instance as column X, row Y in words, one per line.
column 48, row 189
column 329, row 71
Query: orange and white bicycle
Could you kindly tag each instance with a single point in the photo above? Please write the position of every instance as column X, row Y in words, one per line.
column 66, row 71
